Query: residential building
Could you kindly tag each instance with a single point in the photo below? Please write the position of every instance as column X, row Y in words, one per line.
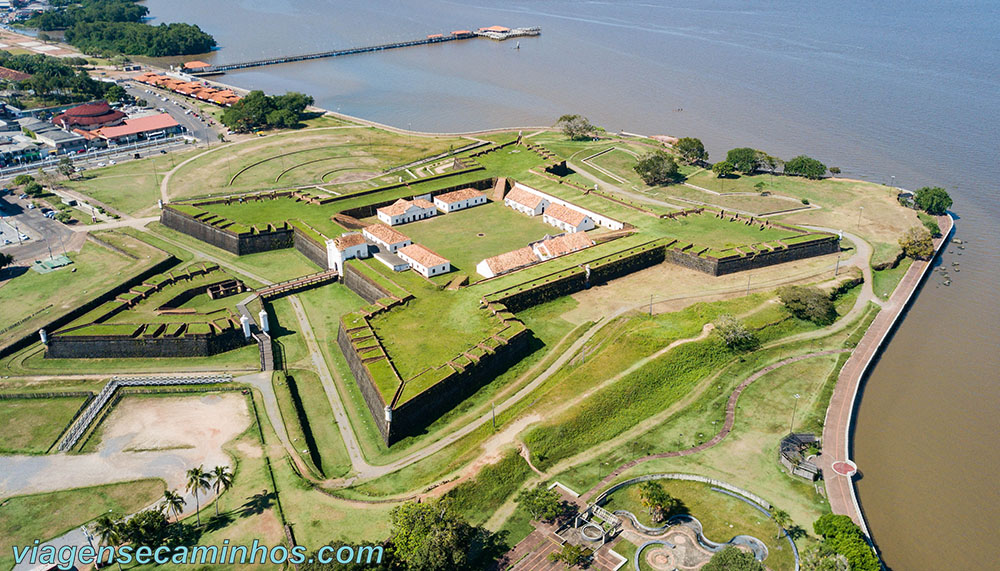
column 61, row 141
column 345, row 247
column 567, row 219
column 525, row 202
column 386, row 237
column 403, row 211
column 459, row 199
column 561, row 245
column 424, row 261
column 507, row 262
column 392, row 261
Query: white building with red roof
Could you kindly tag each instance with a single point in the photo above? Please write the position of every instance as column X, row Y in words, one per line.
column 567, row 219
column 345, row 247
column 424, row 261
column 149, row 127
column 386, row 237
column 459, row 199
column 507, row 262
column 562, row 245
column 526, row 202
column 403, row 211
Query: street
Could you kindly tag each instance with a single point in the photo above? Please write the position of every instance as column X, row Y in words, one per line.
column 44, row 235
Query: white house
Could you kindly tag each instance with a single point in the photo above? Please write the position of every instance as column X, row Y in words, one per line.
column 561, row 245
column 403, row 211
column 459, row 199
column 424, row 261
column 392, row 261
column 386, row 237
column 345, row 247
column 567, row 219
column 525, row 202
column 507, row 262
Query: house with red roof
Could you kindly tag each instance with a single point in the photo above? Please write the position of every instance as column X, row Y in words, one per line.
column 149, row 127
column 89, row 117
column 403, row 211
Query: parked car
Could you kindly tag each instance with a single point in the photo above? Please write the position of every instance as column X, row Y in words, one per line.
column 24, row 237
column 101, row 164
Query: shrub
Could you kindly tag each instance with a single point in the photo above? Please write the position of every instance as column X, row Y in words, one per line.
column 845, row 537
column 917, row 244
column 930, row 224
column 733, row 559
column 735, row 334
column 23, row 179
column 809, row 303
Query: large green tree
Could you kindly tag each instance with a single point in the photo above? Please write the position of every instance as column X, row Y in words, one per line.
column 809, row 303
column 659, row 504
column 743, row 159
column 735, row 333
column 576, row 127
column 847, row 539
column 197, row 481
column 805, row 166
column 733, row 559
column 691, row 149
column 657, row 168
column 431, row 536
column 722, row 169
column 541, row 503
column 933, row 200
column 260, row 111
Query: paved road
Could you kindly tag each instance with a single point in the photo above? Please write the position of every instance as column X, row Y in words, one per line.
column 44, row 234
column 837, row 426
column 194, row 126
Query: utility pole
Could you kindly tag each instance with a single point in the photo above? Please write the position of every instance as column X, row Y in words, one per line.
column 794, row 406
column 494, row 417
column 650, row 304
column 861, row 210
column 748, row 284
column 836, row 270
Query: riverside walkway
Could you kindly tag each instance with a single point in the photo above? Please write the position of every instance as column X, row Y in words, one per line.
column 838, row 469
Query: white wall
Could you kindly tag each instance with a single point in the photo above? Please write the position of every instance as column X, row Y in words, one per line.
column 599, row 219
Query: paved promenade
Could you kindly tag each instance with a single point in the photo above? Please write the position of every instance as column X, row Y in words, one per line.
column 837, row 427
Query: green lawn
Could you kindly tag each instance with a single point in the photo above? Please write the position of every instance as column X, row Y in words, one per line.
column 706, row 230
column 475, row 499
column 24, row 519
column 32, row 299
column 133, row 186
column 31, row 426
column 32, row 361
column 301, row 157
column 456, row 236
column 885, row 281
column 721, row 515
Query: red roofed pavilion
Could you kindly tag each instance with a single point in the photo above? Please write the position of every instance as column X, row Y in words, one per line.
column 89, row 117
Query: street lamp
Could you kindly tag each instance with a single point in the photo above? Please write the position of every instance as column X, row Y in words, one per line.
column 794, row 406
column 861, row 209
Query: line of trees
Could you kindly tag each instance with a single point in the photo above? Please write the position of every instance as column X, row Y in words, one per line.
column 55, row 78
column 117, row 26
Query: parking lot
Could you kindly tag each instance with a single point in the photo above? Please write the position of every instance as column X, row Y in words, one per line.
column 27, row 234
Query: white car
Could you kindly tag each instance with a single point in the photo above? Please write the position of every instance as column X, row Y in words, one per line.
column 112, row 161
column 24, row 237
column 101, row 164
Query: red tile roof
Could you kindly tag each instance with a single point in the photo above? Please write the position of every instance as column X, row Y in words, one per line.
column 345, row 241
column 396, row 208
column 421, row 255
column 89, row 115
column 510, row 261
column 564, row 214
column 13, row 74
column 565, row 244
column 386, row 234
column 524, row 198
column 423, row 203
column 140, row 125
column 196, row 65
column 458, row 195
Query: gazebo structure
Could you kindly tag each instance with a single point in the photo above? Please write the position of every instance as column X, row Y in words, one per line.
column 792, row 454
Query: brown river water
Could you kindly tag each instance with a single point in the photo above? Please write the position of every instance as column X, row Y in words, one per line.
column 909, row 90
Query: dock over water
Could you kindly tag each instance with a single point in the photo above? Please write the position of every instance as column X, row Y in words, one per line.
column 498, row 33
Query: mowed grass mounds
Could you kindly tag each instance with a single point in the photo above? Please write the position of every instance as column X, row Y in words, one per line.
column 308, row 421
column 132, row 186
column 722, row 517
column 882, row 221
column 31, row 426
column 707, row 230
column 26, row 296
column 456, row 236
column 23, row 519
column 318, row 155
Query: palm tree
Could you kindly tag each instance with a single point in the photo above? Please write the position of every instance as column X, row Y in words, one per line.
column 781, row 519
column 196, row 482
column 222, row 480
column 110, row 532
column 173, row 502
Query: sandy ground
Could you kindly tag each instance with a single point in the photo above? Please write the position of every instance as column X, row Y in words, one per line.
column 143, row 438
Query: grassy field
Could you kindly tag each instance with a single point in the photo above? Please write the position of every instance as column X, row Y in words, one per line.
column 133, row 186
column 885, row 281
column 722, row 517
column 301, row 157
column 301, row 397
column 24, row 519
column 493, row 485
column 717, row 233
column 469, row 236
column 31, row 426
column 32, row 361
column 30, row 299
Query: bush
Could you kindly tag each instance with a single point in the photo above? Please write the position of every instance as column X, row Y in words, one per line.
column 33, row 188
column 805, row 166
column 571, row 555
column 808, row 303
column 930, row 224
column 735, row 334
column 23, row 179
column 733, row 559
column 845, row 537
column 917, row 244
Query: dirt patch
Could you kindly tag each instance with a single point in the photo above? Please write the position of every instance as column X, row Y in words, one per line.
column 205, row 422
column 249, row 450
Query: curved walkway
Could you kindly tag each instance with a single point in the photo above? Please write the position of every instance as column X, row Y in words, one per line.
column 727, row 426
column 839, row 416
